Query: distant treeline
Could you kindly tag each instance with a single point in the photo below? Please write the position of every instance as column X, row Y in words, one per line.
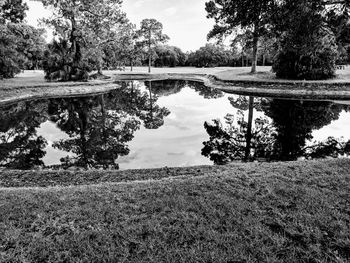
column 210, row 55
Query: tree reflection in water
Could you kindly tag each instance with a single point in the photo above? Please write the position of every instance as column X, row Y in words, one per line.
column 20, row 146
column 100, row 127
column 282, row 138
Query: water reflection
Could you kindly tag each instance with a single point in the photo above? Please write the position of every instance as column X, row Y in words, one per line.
column 20, row 146
column 165, row 120
column 280, row 134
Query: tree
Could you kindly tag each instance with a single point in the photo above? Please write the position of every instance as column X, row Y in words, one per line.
column 13, row 11
column 245, row 14
column 210, row 56
column 307, row 48
column 338, row 20
column 125, row 48
column 169, row 56
column 151, row 34
column 21, row 46
column 86, row 26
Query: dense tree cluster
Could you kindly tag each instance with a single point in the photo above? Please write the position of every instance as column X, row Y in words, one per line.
column 21, row 45
column 210, row 56
column 169, row 56
column 308, row 37
column 302, row 39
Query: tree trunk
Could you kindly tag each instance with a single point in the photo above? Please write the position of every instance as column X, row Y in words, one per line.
column 249, row 129
column 149, row 52
column 255, row 51
column 99, row 68
column 131, row 64
column 264, row 60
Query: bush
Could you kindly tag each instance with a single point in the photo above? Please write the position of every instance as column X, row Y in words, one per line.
column 59, row 64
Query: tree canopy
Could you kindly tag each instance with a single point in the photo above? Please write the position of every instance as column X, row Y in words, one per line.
column 151, row 34
column 86, row 26
column 12, row 11
column 244, row 14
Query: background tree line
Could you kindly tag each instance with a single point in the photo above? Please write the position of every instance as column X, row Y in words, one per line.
column 301, row 39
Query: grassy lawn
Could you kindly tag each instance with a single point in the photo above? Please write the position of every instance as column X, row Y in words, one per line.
column 36, row 78
column 31, row 84
column 277, row 212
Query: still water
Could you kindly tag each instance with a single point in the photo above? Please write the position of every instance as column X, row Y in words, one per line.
column 168, row 123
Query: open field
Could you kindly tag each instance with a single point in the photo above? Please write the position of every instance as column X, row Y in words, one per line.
column 269, row 212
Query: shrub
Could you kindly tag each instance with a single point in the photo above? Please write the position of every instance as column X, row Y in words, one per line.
column 59, row 64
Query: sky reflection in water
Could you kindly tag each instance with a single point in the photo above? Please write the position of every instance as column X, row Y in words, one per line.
column 161, row 124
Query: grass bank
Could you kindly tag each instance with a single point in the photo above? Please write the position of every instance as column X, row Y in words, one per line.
column 31, row 84
column 269, row 212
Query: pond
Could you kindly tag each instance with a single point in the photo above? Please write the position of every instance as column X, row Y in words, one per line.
column 168, row 123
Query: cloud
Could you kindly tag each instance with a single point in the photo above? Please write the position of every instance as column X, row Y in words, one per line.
column 170, row 11
column 139, row 3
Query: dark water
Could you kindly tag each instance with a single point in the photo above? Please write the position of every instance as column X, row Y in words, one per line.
column 168, row 123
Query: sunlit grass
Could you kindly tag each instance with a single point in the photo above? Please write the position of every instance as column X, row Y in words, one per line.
column 281, row 212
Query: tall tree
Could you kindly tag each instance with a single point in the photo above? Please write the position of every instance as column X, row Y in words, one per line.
column 85, row 25
column 17, row 40
column 151, row 34
column 245, row 14
column 307, row 46
column 125, row 48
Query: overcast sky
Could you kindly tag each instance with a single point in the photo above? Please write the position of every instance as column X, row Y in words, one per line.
column 184, row 21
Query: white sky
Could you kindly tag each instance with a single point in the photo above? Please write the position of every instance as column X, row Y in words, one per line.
column 184, row 21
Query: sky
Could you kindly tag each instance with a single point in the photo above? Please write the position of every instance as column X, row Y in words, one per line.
column 184, row 21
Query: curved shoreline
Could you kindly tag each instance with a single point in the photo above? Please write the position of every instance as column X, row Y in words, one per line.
column 268, row 88
column 69, row 90
column 321, row 90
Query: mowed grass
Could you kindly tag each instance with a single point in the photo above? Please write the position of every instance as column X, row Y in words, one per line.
column 278, row 212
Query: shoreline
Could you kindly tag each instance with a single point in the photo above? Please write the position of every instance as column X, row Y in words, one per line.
column 229, row 81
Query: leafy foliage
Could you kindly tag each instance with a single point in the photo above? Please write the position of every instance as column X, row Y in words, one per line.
column 249, row 15
column 308, row 47
column 21, row 46
column 151, row 34
column 169, row 56
column 85, row 28
column 59, row 64
column 12, row 11
column 210, row 56
column 338, row 20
